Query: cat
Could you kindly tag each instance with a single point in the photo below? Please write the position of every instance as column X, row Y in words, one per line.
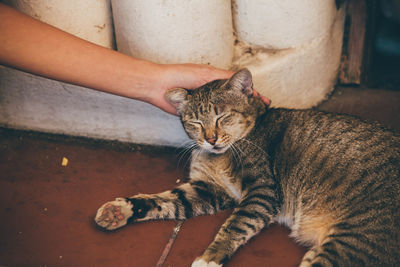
column 333, row 179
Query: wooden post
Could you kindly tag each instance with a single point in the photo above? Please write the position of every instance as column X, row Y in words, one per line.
column 358, row 41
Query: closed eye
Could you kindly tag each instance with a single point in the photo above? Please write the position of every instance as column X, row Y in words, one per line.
column 196, row 123
column 223, row 118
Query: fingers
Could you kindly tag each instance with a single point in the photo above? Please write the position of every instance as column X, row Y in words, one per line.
column 166, row 106
column 265, row 99
column 222, row 74
column 196, row 75
column 191, row 76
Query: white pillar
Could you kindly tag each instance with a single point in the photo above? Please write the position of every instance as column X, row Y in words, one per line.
column 292, row 48
column 178, row 31
column 90, row 19
column 282, row 24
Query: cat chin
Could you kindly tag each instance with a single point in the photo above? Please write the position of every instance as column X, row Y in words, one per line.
column 213, row 149
column 219, row 150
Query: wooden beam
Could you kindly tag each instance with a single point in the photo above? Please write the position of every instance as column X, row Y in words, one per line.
column 358, row 41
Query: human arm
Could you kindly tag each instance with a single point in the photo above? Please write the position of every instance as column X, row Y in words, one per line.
column 36, row 47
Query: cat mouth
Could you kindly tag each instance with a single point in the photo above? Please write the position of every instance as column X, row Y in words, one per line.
column 216, row 148
column 219, row 149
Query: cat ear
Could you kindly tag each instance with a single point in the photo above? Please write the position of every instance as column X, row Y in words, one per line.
column 177, row 97
column 242, row 81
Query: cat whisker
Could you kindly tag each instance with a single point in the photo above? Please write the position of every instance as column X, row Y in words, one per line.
column 196, row 153
column 188, row 156
column 187, row 145
column 187, row 148
column 236, row 155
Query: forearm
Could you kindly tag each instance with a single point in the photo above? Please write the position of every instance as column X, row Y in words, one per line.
column 35, row 47
column 38, row 48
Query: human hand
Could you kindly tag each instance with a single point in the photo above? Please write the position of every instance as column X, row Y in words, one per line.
column 189, row 76
column 264, row 99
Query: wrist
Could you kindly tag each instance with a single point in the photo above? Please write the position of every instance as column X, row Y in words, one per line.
column 137, row 78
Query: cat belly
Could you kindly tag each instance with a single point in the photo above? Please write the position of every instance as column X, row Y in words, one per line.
column 307, row 229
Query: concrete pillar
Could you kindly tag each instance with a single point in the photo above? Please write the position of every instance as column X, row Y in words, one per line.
column 90, row 19
column 178, row 31
column 282, row 24
column 292, row 48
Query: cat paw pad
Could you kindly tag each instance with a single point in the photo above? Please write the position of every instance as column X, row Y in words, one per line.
column 114, row 214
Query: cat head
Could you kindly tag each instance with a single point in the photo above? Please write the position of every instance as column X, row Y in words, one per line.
column 218, row 113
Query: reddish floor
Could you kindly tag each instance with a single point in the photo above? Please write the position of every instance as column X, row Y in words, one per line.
column 47, row 210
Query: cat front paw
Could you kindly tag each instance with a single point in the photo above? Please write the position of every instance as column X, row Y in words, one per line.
column 114, row 214
column 203, row 263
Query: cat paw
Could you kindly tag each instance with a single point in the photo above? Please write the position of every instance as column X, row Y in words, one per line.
column 114, row 214
column 203, row 263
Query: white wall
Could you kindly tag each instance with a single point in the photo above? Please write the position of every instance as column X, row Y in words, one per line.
column 292, row 48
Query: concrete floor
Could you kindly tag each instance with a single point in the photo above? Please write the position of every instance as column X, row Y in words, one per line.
column 47, row 209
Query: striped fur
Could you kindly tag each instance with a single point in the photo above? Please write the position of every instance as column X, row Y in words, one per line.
column 333, row 179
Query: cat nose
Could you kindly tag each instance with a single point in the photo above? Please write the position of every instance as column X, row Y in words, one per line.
column 212, row 140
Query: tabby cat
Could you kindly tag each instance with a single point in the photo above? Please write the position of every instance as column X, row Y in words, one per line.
column 333, row 179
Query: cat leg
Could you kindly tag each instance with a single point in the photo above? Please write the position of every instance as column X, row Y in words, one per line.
column 346, row 249
column 308, row 257
column 190, row 199
column 320, row 256
column 235, row 232
column 256, row 210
